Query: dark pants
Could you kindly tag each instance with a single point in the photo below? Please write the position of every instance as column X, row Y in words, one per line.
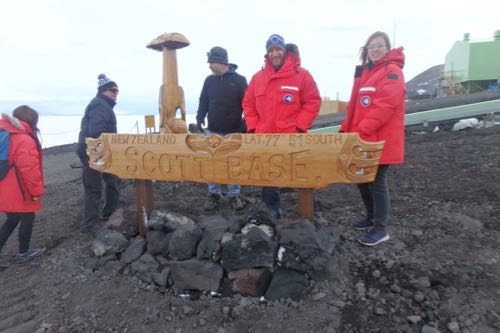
column 25, row 229
column 376, row 198
column 92, row 185
column 272, row 198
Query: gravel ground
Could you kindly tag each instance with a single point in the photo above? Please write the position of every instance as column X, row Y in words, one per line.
column 439, row 272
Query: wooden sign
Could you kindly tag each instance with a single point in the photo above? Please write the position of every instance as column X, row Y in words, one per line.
column 149, row 123
column 282, row 160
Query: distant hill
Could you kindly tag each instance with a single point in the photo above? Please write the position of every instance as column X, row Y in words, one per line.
column 425, row 84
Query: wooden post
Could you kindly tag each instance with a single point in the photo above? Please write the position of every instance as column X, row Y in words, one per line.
column 171, row 96
column 144, row 201
column 306, row 203
column 171, row 99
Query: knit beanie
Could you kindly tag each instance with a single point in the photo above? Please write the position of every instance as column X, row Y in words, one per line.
column 104, row 83
column 275, row 40
column 218, row 54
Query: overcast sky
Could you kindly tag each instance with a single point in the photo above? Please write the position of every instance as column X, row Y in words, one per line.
column 52, row 50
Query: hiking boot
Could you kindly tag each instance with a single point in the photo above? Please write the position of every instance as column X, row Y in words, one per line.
column 236, row 203
column 88, row 229
column 374, row 236
column 30, row 254
column 363, row 224
column 213, row 202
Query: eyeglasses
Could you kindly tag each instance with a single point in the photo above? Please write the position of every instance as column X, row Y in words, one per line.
column 114, row 90
column 376, row 46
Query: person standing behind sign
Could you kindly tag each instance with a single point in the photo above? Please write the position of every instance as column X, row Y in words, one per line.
column 22, row 187
column 281, row 98
column 99, row 118
column 376, row 111
column 220, row 103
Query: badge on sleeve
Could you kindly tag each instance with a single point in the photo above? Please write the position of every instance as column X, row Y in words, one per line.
column 366, row 101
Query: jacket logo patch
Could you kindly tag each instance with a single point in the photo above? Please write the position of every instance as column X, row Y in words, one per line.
column 392, row 77
column 288, row 99
column 365, row 101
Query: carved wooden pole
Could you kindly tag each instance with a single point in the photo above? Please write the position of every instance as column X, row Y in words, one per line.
column 171, row 98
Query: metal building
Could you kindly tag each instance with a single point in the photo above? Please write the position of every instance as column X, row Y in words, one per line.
column 472, row 65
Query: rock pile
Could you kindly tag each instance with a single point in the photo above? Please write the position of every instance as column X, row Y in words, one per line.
column 255, row 255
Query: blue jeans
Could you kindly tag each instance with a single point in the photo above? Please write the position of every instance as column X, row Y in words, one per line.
column 233, row 190
column 376, row 198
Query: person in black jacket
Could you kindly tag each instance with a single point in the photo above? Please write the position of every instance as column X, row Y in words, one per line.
column 220, row 103
column 99, row 118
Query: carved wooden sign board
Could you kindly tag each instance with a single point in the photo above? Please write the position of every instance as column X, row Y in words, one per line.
column 282, row 160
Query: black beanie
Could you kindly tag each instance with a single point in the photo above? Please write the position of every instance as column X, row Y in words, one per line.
column 218, row 54
column 104, row 83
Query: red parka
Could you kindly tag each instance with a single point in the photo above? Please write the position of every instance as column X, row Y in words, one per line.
column 283, row 101
column 377, row 106
column 25, row 179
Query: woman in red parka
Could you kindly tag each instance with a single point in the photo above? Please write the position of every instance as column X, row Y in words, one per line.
column 376, row 111
column 22, row 187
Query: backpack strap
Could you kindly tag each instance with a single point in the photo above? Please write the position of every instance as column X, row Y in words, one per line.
column 4, row 153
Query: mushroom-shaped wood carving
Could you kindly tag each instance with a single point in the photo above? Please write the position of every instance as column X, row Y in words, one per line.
column 171, row 95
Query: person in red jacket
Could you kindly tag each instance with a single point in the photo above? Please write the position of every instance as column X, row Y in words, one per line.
column 23, row 186
column 281, row 98
column 376, row 111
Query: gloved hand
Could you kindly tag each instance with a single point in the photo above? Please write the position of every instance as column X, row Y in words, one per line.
column 199, row 123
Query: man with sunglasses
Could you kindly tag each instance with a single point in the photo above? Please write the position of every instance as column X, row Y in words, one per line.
column 282, row 97
column 99, row 118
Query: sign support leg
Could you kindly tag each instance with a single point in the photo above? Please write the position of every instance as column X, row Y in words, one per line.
column 306, row 203
column 144, row 201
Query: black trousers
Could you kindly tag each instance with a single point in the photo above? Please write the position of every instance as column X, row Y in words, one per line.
column 25, row 229
column 93, row 187
column 376, row 198
column 272, row 198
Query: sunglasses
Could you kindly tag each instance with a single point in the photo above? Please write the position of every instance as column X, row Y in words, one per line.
column 114, row 90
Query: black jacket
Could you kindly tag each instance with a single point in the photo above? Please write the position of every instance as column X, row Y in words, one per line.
column 99, row 118
column 220, row 101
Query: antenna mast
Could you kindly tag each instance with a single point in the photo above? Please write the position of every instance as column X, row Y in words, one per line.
column 394, row 34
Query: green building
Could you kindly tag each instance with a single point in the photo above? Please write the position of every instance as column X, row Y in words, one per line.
column 472, row 65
